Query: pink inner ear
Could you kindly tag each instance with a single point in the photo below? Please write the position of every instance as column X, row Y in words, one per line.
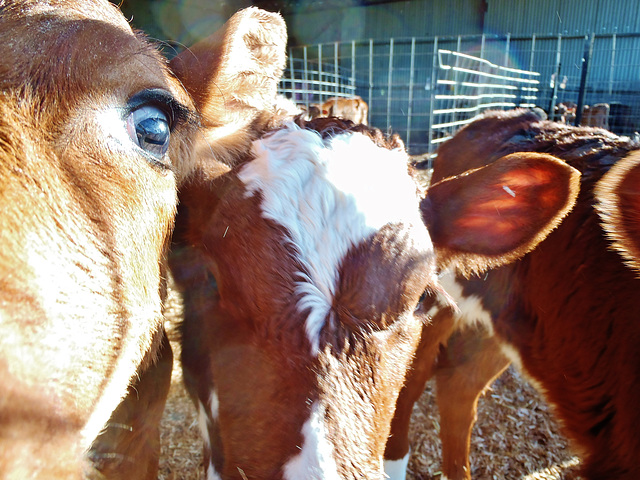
column 504, row 207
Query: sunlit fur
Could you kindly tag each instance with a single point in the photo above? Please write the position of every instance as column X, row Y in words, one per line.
column 85, row 224
column 343, row 189
column 566, row 313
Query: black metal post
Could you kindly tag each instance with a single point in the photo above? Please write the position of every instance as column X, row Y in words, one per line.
column 588, row 51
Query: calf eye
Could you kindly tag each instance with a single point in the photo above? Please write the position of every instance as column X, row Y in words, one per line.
column 151, row 116
column 149, row 128
column 421, row 299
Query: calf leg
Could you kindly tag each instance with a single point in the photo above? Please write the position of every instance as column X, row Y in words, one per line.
column 396, row 453
column 470, row 362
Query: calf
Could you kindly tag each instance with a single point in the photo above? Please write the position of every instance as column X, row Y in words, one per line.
column 566, row 313
column 93, row 129
column 565, row 112
column 617, row 195
column 595, row 115
column 354, row 109
column 302, row 268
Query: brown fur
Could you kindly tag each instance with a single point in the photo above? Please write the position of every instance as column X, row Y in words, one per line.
column 85, row 224
column 354, row 109
column 568, row 307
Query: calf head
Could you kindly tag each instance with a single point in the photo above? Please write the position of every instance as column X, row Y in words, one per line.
column 93, row 128
column 303, row 267
column 489, row 137
column 88, row 198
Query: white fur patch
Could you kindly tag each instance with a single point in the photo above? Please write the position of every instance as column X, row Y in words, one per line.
column 330, row 195
column 205, row 418
column 214, row 404
column 471, row 312
column 397, row 469
column 211, row 473
column 315, row 460
column 203, row 424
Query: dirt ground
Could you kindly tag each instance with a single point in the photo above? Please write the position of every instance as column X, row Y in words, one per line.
column 515, row 437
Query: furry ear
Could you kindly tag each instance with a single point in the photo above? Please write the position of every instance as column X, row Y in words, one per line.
column 618, row 203
column 495, row 214
column 233, row 77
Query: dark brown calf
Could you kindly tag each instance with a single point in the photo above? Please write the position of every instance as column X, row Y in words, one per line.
column 566, row 313
column 93, row 130
column 302, row 269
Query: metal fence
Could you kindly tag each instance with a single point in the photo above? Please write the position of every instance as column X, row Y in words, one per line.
column 467, row 85
column 399, row 77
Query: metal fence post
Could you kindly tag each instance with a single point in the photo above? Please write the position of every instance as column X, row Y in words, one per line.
column 434, row 82
column 410, row 99
column 588, row 51
column 322, row 99
column 554, row 92
column 613, row 63
column 293, row 76
column 389, row 82
column 370, row 76
column 336, row 69
column 353, row 65
column 306, row 76
column 533, row 49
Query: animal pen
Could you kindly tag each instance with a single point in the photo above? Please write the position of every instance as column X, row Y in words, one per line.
column 424, row 88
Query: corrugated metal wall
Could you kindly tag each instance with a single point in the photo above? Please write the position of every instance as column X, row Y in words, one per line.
column 187, row 20
column 565, row 17
column 466, row 17
column 398, row 19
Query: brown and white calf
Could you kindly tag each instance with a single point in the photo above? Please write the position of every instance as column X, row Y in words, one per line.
column 353, row 108
column 302, row 270
column 93, row 129
column 566, row 313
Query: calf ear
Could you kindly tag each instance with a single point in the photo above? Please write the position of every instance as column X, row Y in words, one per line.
column 495, row 214
column 233, row 77
column 618, row 202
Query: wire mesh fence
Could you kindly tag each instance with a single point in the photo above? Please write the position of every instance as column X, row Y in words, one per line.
column 399, row 77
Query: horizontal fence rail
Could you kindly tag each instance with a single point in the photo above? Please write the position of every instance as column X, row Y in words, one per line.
column 472, row 85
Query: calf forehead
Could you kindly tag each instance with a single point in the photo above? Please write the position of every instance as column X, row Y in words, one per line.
column 62, row 51
column 346, row 205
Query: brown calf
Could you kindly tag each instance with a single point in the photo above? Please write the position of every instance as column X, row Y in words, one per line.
column 566, row 312
column 302, row 269
column 354, row 109
column 93, row 128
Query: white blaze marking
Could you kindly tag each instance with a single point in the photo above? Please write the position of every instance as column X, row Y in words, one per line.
column 471, row 312
column 397, row 469
column 330, row 195
column 315, row 460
